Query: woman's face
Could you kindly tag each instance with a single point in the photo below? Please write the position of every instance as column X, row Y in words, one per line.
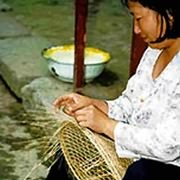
column 147, row 23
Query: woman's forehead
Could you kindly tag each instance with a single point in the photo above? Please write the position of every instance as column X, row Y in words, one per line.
column 136, row 8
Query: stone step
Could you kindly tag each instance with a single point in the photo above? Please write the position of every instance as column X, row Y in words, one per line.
column 21, row 61
column 10, row 27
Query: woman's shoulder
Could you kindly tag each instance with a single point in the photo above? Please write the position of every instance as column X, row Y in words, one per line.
column 149, row 56
column 150, row 52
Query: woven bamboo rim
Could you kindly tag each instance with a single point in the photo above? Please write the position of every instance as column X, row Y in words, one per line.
column 90, row 156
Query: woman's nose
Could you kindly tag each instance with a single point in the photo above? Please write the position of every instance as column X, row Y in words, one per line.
column 137, row 29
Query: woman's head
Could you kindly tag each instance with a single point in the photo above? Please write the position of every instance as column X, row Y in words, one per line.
column 155, row 20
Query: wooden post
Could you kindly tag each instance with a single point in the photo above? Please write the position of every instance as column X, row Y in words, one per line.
column 81, row 11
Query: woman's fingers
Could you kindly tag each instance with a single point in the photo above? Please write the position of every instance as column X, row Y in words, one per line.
column 87, row 117
column 83, row 124
column 93, row 118
column 72, row 99
column 62, row 100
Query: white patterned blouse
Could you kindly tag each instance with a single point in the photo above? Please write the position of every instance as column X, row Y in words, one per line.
column 148, row 112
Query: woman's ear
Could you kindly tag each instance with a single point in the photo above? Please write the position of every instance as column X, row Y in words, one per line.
column 169, row 15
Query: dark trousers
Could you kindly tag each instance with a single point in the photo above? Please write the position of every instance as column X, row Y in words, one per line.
column 145, row 169
column 142, row 169
column 60, row 170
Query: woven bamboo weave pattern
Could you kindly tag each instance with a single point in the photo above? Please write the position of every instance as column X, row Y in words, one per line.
column 89, row 155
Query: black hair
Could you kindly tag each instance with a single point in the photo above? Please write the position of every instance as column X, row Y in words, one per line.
column 165, row 8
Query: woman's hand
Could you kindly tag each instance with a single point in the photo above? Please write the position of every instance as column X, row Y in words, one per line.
column 73, row 102
column 93, row 118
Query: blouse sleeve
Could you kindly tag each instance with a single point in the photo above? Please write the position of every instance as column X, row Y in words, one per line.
column 160, row 142
column 121, row 108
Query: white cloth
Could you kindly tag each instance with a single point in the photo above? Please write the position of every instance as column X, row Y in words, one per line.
column 148, row 112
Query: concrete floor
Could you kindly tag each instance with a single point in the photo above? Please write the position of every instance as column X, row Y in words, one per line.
column 18, row 150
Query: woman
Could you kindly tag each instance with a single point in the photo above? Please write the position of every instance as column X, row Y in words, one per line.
column 144, row 121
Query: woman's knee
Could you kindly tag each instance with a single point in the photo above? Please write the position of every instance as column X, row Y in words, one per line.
column 135, row 172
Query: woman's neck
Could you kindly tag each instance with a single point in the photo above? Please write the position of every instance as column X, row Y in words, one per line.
column 171, row 48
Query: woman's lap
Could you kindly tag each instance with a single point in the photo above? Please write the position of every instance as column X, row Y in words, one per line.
column 145, row 169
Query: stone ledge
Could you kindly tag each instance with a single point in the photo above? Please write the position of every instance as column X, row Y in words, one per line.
column 21, row 61
column 9, row 27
